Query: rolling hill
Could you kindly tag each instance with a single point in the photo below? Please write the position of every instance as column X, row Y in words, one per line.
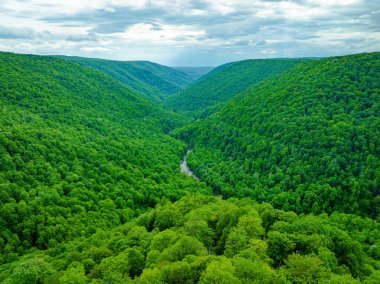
column 152, row 80
column 307, row 140
column 91, row 189
column 212, row 91
column 194, row 72
column 79, row 152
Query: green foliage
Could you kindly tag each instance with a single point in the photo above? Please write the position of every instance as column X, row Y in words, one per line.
column 219, row 271
column 83, row 162
column 212, row 91
column 307, row 140
column 254, row 271
column 78, row 153
column 194, row 72
column 75, row 274
column 300, row 249
column 151, row 80
column 304, row 269
column 30, row 271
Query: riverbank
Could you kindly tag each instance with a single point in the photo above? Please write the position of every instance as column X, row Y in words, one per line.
column 185, row 168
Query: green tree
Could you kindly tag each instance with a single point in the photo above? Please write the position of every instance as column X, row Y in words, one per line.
column 219, row 271
column 304, row 269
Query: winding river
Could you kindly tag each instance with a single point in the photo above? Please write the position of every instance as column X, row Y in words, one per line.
column 184, row 167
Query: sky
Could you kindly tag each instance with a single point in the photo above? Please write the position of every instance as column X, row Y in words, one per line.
column 190, row 32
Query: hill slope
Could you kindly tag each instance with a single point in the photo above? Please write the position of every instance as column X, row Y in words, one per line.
column 194, row 72
column 83, row 161
column 307, row 140
column 207, row 240
column 217, row 87
column 78, row 152
column 152, row 80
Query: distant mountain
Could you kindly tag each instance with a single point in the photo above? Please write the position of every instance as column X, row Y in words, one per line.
column 221, row 84
column 307, row 140
column 152, row 80
column 194, row 72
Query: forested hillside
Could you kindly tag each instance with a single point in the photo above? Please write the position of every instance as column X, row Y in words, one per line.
column 91, row 189
column 79, row 152
column 194, row 72
column 206, row 240
column 308, row 140
column 209, row 94
column 152, row 80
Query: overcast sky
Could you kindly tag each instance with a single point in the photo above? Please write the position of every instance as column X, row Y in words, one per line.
column 192, row 32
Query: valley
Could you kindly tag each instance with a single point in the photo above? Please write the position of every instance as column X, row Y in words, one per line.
column 256, row 171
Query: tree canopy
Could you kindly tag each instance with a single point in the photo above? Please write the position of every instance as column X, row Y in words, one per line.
column 213, row 241
column 287, row 152
column 307, row 140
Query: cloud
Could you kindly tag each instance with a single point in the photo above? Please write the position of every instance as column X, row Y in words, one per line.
column 21, row 33
column 94, row 48
column 194, row 32
column 83, row 38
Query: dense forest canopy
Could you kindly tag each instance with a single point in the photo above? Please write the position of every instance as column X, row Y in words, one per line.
column 194, row 72
column 212, row 91
column 79, row 152
column 307, row 140
column 207, row 240
column 91, row 189
column 151, row 80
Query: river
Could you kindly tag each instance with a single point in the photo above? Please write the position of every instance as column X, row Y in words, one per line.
column 185, row 168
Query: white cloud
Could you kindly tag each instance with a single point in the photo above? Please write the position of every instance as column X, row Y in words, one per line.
column 334, row 2
column 200, row 32
column 94, row 48
column 145, row 32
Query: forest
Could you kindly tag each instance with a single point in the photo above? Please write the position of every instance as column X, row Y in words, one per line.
column 287, row 152
column 209, row 93
column 203, row 239
column 151, row 80
column 307, row 140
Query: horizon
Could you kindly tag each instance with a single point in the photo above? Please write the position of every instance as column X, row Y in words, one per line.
column 183, row 66
column 193, row 33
